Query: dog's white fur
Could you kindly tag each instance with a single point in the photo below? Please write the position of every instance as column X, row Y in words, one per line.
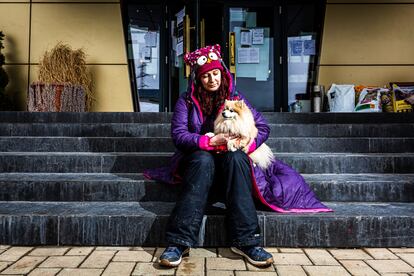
column 237, row 120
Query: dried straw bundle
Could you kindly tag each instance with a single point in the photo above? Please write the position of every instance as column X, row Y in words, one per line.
column 64, row 65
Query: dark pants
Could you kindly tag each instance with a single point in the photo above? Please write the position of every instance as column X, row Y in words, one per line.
column 226, row 176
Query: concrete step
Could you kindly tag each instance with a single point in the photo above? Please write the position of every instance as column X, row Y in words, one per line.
column 133, row 162
column 133, row 187
column 162, row 144
column 161, row 117
column 155, row 129
column 143, row 223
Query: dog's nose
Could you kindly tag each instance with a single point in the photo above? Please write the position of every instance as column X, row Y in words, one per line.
column 224, row 114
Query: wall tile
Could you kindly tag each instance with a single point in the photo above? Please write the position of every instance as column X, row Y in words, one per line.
column 14, row 22
column 97, row 28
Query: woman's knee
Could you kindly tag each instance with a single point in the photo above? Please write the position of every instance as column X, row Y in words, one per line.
column 237, row 156
column 202, row 159
column 200, row 171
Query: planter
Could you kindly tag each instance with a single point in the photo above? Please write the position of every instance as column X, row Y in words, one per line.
column 44, row 97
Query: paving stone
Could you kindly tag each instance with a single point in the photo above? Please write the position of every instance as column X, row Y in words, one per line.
column 350, row 254
column 253, row 273
column 80, row 272
column 139, row 248
column 49, row 251
column 132, row 256
column 203, row 252
column 402, row 250
column 44, row 272
column 24, row 265
column 3, row 265
column 79, row 251
column 290, row 250
column 272, row 249
column 290, row 270
column 4, row 247
column 291, row 259
column 320, row 257
column 98, row 259
column 358, row 268
column 325, row 270
column 408, row 257
column 225, row 252
column 225, row 264
column 62, row 261
column 152, row 269
column 251, row 267
column 112, row 248
column 14, row 253
column 381, row 253
column 395, row 274
column 119, row 269
column 191, row 266
column 386, row 266
column 220, row 273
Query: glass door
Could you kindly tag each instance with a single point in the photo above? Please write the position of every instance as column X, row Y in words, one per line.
column 251, row 53
column 303, row 29
column 144, row 54
column 193, row 24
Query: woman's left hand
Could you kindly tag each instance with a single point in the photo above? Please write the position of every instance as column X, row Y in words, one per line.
column 219, row 139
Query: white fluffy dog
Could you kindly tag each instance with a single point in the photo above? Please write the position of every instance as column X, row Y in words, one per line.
column 237, row 120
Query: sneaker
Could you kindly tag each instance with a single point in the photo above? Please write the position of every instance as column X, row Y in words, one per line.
column 172, row 255
column 256, row 255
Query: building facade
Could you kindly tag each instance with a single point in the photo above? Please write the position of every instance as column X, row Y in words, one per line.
column 276, row 49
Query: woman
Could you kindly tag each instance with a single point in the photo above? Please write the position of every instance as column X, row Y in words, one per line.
column 228, row 176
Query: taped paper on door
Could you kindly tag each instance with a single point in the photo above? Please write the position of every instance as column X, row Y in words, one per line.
column 258, row 36
column 248, row 55
column 245, row 38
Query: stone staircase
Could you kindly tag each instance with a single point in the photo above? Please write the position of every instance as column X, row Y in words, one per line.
column 76, row 179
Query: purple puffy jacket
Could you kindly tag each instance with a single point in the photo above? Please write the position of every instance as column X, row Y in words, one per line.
column 279, row 187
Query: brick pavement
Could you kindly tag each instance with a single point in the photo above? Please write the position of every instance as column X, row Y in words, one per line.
column 119, row 261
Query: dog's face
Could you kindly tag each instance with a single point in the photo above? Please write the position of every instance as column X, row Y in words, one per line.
column 235, row 118
column 232, row 110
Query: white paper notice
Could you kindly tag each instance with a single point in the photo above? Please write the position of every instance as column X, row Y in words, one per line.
column 309, row 47
column 258, row 36
column 150, row 39
column 180, row 48
column 248, row 55
column 245, row 38
column 180, row 16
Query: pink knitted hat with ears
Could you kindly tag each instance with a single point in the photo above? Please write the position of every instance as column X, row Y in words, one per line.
column 204, row 59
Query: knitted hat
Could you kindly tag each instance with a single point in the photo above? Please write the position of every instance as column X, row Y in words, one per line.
column 204, row 59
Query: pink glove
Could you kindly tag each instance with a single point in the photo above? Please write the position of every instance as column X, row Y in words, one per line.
column 252, row 147
column 203, row 143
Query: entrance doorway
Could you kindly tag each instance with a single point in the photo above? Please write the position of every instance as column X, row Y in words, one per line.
column 260, row 45
column 246, row 34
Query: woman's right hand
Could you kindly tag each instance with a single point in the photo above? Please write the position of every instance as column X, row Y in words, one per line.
column 219, row 139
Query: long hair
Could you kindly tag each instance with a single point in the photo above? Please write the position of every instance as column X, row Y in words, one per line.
column 211, row 101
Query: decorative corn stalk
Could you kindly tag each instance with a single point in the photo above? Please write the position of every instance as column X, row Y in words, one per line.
column 64, row 82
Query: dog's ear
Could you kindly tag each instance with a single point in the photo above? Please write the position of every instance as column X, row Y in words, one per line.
column 240, row 104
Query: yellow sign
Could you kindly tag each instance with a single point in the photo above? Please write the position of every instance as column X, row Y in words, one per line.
column 232, row 52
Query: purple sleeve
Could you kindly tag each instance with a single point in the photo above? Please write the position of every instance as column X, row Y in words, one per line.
column 261, row 123
column 182, row 138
